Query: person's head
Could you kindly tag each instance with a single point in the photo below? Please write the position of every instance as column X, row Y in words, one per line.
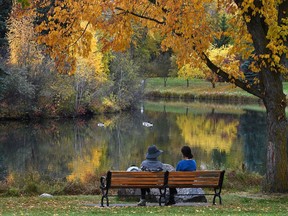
column 153, row 152
column 186, row 152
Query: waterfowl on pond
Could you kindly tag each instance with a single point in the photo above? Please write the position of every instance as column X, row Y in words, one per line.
column 147, row 124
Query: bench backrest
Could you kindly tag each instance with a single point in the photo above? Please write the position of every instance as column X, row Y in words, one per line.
column 126, row 179
column 183, row 179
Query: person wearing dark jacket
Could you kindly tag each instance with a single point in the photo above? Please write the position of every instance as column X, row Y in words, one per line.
column 152, row 164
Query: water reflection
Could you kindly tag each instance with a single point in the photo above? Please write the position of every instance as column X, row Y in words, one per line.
column 228, row 137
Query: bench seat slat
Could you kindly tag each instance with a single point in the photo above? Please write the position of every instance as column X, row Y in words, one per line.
column 137, row 174
column 193, row 182
column 137, row 183
column 194, row 173
column 137, row 186
column 139, row 180
column 193, row 186
column 189, row 178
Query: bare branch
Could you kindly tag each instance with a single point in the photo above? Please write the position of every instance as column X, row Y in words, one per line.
column 83, row 32
column 140, row 16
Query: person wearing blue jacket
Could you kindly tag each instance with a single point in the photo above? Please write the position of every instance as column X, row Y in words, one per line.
column 187, row 163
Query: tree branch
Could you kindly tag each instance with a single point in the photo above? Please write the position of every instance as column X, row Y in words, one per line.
column 215, row 69
column 254, row 91
column 140, row 16
column 83, row 32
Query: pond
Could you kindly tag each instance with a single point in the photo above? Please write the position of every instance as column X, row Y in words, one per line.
column 221, row 137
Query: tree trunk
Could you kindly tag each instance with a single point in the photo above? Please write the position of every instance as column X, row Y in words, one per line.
column 275, row 102
column 165, row 81
column 273, row 97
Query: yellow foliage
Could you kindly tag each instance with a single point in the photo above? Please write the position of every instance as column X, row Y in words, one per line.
column 189, row 72
column 196, row 132
column 84, row 165
column 10, row 179
column 24, row 51
column 226, row 60
column 186, row 26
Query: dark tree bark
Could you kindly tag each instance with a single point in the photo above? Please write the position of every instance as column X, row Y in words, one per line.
column 274, row 100
column 273, row 97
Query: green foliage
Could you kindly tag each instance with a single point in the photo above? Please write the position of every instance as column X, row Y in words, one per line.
column 223, row 40
column 5, row 6
column 2, row 83
column 126, row 87
column 146, row 52
column 13, row 192
column 160, row 65
column 24, row 3
column 17, row 85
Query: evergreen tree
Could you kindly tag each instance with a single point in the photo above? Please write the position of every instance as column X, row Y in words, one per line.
column 224, row 39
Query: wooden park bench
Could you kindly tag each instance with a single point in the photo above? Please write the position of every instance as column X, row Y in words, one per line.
column 126, row 179
column 162, row 180
column 198, row 179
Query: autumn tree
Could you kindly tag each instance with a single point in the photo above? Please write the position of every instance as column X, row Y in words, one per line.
column 259, row 30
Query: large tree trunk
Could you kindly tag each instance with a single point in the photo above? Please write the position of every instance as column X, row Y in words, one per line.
column 275, row 103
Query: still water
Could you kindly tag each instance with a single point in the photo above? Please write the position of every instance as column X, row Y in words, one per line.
column 221, row 136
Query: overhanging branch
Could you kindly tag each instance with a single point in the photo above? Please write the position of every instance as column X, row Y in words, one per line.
column 254, row 91
column 140, row 16
column 250, row 89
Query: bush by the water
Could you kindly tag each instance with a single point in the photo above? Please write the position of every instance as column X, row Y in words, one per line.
column 33, row 184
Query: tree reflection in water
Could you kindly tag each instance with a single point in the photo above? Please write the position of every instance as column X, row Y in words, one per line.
column 225, row 137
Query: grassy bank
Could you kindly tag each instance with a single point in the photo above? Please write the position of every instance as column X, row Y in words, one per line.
column 240, row 196
column 198, row 89
column 233, row 204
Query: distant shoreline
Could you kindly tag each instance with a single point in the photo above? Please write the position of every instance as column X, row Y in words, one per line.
column 198, row 89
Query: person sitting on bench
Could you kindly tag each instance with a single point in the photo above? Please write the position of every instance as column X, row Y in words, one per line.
column 152, row 164
column 186, row 164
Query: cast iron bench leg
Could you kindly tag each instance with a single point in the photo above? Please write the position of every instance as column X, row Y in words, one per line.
column 104, row 196
column 162, row 194
column 217, row 194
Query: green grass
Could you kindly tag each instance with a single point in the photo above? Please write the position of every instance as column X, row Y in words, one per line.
column 233, row 204
column 198, row 89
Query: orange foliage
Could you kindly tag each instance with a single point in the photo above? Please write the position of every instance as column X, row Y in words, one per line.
column 186, row 26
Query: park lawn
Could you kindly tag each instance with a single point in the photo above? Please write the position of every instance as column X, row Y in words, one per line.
column 197, row 87
column 233, row 204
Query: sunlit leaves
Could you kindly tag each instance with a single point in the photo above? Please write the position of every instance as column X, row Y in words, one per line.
column 185, row 26
column 24, row 51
